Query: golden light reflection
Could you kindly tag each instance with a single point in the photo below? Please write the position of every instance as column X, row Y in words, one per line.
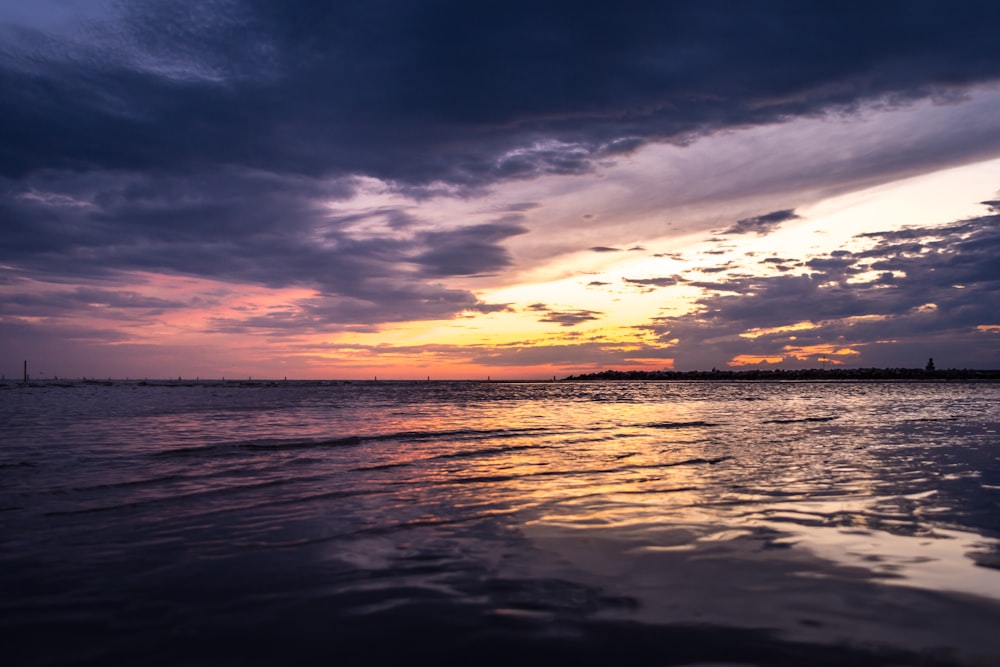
column 598, row 464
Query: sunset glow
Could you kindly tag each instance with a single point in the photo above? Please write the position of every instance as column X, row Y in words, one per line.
column 361, row 228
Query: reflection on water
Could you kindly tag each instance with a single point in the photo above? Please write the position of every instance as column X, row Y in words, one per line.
column 554, row 519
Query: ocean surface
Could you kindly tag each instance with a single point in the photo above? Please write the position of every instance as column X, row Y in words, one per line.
column 600, row 523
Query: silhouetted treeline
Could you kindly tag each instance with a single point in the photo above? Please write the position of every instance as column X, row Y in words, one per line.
column 797, row 374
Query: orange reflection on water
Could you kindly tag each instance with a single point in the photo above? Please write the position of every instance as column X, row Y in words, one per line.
column 587, row 463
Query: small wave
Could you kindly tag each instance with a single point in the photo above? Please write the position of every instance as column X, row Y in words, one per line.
column 696, row 424
column 711, row 462
column 209, row 450
column 570, row 498
column 382, row 489
column 19, row 464
column 798, row 421
column 149, row 481
column 387, row 529
column 349, row 441
column 484, row 452
column 381, row 466
column 177, row 497
column 457, row 434
column 477, row 479
column 334, row 442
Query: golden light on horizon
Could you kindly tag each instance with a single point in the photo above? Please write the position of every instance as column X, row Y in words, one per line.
column 754, row 360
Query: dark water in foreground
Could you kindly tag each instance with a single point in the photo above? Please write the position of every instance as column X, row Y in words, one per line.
column 466, row 523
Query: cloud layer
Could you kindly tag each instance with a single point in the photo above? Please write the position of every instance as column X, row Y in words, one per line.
column 308, row 147
column 911, row 294
column 465, row 93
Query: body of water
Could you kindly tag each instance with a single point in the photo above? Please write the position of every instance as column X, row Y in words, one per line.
column 673, row 523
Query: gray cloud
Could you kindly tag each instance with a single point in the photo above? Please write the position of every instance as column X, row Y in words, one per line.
column 40, row 341
column 932, row 290
column 566, row 318
column 762, row 224
column 456, row 92
column 199, row 139
column 106, row 304
column 253, row 228
column 466, row 251
column 653, row 282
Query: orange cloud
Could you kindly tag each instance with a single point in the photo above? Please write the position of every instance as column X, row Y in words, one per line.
column 829, row 352
column 754, row 360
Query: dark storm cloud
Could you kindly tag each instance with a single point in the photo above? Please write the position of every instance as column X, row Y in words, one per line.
column 196, row 138
column 919, row 287
column 603, row 248
column 455, row 91
column 762, row 224
column 252, row 228
column 467, row 251
column 19, row 334
column 120, row 304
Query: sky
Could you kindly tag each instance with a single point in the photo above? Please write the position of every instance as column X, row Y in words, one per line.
column 504, row 190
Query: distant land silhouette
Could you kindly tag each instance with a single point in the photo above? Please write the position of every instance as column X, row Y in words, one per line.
column 927, row 373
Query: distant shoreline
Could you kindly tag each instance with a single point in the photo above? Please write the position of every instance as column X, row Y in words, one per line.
column 795, row 374
column 772, row 375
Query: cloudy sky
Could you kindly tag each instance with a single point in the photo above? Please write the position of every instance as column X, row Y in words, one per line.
column 513, row 189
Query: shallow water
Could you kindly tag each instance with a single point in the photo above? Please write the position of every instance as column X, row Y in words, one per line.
column 491, row 523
